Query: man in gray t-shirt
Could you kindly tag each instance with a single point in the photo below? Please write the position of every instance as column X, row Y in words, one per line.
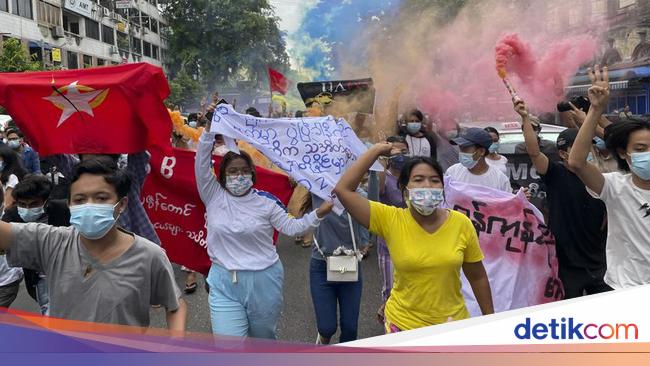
column 120, row 292
column 97, row 272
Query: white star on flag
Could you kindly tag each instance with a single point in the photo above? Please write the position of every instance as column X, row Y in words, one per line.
column 81, row 101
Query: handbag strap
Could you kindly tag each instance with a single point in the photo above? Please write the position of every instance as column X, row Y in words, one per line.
column 354, row 240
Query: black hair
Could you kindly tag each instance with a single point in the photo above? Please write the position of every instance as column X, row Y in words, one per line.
column 253, row 112
column 13, row 130
column 298, row 114
column 228, row 158
column 119, row 179
column 193, row 117
column 492, row 130
column 417, row 114
column 617, row 136
column 108, row 159
column 11, row 165
column 405, row 174
column 32, row 186
column 398, row 139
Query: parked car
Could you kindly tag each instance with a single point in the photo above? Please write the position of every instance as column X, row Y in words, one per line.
column 511, row 133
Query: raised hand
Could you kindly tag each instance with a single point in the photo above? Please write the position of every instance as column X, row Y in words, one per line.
column 578, row 115
column 383, row 148
column 520, row 108
column 599, row 91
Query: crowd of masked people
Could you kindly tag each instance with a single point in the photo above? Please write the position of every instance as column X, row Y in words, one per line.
column 89, row 252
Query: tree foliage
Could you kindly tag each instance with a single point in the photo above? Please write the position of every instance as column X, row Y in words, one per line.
column 184, row 90
column 224, row 40
column 15, row 59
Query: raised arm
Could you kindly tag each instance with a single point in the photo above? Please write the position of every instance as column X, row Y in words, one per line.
column 540, row 161
column 290, row 226
column 206, row 181
column 346, row 189
column 138, row 166
column 599, row 98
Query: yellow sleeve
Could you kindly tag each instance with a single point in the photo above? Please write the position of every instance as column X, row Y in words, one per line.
column 473, row 252
column 382, row 217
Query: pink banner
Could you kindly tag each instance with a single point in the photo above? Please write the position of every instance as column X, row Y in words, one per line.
column 519, row 248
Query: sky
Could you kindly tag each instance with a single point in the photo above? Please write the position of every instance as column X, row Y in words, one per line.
column 317, row 31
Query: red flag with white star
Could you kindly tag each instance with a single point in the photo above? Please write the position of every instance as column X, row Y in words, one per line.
column 106, row 110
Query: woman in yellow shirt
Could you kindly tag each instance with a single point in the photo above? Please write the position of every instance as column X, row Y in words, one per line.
column 428, row 244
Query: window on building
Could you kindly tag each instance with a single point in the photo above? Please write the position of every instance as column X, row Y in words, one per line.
column 625, row 3
column 73, row 60
column 108, row 35
column 122, row 41
column 101, row 62
column 22, row 8
column 642, row 104
column 71, row 23
column 4, row 5
column 146, row 21
column 47, row 14
column 108, row 4
column 88, row 61
column 154, row 52
column 136, row 45
column 146, row 48
column 153, row 25
column 92, row 29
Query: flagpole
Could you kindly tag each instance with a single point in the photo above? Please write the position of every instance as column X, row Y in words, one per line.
column 271, row 99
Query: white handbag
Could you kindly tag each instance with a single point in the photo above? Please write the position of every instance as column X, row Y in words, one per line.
column 344, row 267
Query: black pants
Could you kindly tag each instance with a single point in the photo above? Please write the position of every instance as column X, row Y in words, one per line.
column 582, row 281
column 8, row 293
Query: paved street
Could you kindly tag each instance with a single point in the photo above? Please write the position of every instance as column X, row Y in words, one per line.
column 298, row 322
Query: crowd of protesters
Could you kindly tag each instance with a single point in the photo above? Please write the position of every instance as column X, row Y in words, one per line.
column 75, row 230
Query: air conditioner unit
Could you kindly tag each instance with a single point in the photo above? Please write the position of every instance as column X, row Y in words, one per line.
column 57, row 32
column 106, row 12
column 113, row 50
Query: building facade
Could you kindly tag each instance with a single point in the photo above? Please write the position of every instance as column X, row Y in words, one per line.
column 86, row 33
column 623, row 27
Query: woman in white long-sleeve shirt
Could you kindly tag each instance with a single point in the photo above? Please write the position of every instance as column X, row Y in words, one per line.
column 246, row 276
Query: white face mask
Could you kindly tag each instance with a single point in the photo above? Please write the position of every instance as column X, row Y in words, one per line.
column 221, row 150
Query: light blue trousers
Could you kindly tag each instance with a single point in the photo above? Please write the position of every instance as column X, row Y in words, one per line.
column 245, row 303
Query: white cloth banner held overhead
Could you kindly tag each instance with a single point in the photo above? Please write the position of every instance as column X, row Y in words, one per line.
column 313, row 151
column 519, row 248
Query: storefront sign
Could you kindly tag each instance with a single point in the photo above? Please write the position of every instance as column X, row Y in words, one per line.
column 56, row 54
column 83, row 7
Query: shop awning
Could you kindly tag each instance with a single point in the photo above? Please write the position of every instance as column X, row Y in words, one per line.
column 614, row 85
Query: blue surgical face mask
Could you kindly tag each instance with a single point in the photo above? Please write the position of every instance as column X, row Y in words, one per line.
column 494, row 147
column 93, row 221
column 600, row 144
column 14, row 144
column 397, row 162
column 30, row 214
column 640, row 164
column 590, row 157
column 467, row 160
column 192, row 124
column 413, row 127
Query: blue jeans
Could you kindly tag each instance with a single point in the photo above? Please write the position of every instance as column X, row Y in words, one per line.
column 327, row 295
column 248, row 307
